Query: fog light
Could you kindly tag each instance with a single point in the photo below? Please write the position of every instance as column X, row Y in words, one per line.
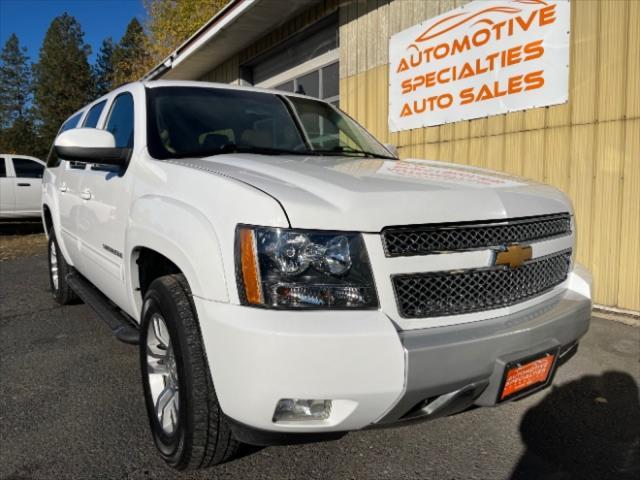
column 293, row 409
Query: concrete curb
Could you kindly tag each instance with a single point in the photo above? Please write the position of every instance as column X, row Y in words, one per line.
column 631, row 320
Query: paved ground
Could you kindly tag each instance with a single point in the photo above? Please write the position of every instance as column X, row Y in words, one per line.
column 71, row 407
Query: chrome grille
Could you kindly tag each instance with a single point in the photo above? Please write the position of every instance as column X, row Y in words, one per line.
column 426, row 239
column 437, row 294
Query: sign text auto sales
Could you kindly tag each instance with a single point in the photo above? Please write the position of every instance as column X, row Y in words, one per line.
column 487, row 58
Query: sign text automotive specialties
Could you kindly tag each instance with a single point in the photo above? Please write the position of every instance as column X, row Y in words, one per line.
column 487, row 58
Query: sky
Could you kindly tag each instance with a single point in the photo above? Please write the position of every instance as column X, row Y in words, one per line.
column 30, row 19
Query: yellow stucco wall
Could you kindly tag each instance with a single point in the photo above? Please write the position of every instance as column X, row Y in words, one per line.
column 589, row 147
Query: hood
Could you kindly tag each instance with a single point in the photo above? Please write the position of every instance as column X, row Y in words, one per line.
column 346, row 193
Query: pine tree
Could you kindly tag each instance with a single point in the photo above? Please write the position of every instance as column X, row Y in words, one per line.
column 17, row 132
column 21, row 138
column 15, row 79
column 131, row 59
column 64, row 81
column 103, row 68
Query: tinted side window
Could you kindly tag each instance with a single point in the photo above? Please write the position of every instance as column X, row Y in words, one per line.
column 27, row 168
column 71, row 123
column 3, row 169
column 94, row 115
column 52, row 159
column 120, row 121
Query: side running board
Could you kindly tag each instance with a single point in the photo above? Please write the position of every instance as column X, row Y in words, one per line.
column 120, row 324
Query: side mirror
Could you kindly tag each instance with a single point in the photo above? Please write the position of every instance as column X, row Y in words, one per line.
column 90, row 145
column 393, row 150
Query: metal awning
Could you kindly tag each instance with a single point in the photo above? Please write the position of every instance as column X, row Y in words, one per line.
column 239, row 24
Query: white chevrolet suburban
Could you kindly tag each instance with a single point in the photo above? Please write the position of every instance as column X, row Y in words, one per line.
column 288, row 279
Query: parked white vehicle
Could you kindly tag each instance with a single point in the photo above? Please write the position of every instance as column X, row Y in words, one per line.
column 20, row 186
column 291, row 279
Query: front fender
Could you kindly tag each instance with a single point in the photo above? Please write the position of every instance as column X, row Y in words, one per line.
column 50, row 198
column 185, row 236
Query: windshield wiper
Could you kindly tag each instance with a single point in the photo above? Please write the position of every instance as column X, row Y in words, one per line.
column 275, row 151
column 342, row 150
column 233, row 148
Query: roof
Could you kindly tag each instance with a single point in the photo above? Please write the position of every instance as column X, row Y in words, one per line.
column 226, row 86
column 239, row 24
column 183, row 83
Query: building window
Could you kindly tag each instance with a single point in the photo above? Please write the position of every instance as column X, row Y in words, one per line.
column 321, row 83
column 306, row 63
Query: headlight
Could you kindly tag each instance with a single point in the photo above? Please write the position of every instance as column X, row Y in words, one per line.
column 283, row 268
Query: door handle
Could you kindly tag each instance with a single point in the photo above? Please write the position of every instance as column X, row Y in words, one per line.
column 24, row 184
column 86, row 194
column 63, row 187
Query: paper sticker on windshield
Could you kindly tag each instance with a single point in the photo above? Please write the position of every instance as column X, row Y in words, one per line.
column 416, row 169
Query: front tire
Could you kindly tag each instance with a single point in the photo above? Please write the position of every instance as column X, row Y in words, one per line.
column 188, row 426
column 58, row 271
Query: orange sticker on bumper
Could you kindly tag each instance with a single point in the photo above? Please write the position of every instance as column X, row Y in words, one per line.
column 524, row 376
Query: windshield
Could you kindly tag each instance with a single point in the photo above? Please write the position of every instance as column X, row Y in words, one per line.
column 197, row 122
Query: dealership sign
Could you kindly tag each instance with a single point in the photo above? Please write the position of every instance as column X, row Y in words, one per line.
column 486, row 58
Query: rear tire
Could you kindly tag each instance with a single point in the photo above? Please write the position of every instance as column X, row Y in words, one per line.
column 58, row 271
column 188, row 426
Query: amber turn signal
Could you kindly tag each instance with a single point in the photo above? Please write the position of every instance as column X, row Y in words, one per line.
column 249, row 266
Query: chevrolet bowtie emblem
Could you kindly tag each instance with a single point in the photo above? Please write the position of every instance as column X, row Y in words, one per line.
column 514, row 255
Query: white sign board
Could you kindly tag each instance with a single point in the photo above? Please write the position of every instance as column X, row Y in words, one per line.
column 486, row 58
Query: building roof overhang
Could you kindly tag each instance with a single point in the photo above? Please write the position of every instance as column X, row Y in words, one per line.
column 236, row 26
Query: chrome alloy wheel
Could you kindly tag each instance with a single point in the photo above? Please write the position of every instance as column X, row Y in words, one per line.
column 53, row 266
column 162, row 374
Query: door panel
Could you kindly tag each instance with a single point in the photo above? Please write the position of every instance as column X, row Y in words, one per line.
column 27, row 195
column 7, row 196
column 101, row 225
column 104, row 209
column 68, row 185
column 28, row 185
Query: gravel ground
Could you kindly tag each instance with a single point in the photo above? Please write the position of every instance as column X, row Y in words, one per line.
column 71, row 407
column 21, row 238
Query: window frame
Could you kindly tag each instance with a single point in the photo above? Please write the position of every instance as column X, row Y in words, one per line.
column 316, row 64
column 150, row 112
column 112, row 106
column 291, row 99
column 78, row 115
column 159, row 152
column 102, row 104
column 52, row 160
column 24, row 159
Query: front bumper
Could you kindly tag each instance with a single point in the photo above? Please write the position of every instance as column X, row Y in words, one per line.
column 375, row 375
column 470, row 359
